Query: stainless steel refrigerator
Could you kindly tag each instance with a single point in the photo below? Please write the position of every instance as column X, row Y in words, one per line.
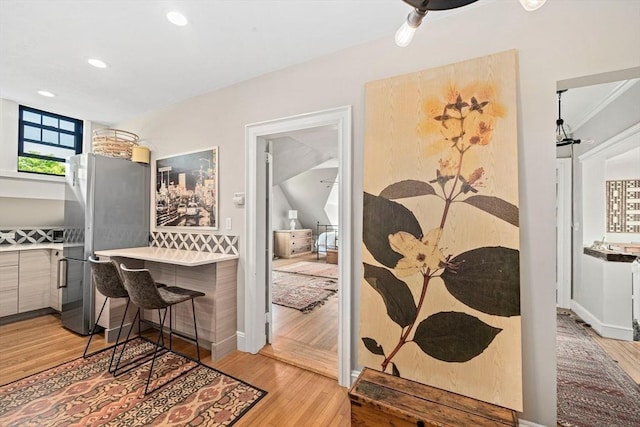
column 106, row 207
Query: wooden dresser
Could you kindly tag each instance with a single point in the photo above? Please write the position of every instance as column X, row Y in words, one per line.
column 292, row 243
column 379, row 399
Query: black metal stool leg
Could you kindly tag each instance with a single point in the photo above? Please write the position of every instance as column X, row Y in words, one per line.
column 170, row 328
column 95, row 326
column 124, row 316
column 155, row 352
column 195, row 327
column 124, row 346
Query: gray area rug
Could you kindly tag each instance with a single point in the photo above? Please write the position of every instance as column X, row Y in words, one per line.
column 593, row 390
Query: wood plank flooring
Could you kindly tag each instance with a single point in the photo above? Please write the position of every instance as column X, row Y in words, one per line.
column 295, row 396
column 625, row 353
column 306, row 340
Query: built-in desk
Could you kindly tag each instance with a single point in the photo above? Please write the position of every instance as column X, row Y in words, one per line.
column 212, row 273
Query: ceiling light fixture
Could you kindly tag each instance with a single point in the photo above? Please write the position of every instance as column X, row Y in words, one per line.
column 405, row 33
column 46, row 93
column 97, row 63
column 176, row 18
column 562, row 136
column 532, row 5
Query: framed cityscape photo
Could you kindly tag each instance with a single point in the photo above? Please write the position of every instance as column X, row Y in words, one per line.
column 187, row 190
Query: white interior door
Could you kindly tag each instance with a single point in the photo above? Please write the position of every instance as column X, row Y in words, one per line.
column 563, row 233
column 268, row 159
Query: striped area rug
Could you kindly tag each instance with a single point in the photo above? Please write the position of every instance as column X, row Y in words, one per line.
column 82, row 392
column 593, row 390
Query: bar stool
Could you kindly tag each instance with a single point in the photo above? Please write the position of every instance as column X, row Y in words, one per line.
column 108, row 282
column 147, row 296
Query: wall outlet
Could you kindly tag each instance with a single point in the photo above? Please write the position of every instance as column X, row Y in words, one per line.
column 227, row 223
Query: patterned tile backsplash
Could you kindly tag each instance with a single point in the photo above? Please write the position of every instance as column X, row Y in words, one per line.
column 195, row 242
column 160, row 239
column 26, row 236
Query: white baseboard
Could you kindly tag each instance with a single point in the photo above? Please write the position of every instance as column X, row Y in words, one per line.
column 603, row 329
column 354, row 376
column 525, row 423
column 586, row 315
column 241, row 342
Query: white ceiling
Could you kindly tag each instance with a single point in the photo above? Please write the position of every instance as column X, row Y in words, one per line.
column 45, row 44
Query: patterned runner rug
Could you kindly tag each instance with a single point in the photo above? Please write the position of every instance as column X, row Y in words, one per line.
column 318, row 269
column 592, row 389
column 81, row 392
column 301, row 292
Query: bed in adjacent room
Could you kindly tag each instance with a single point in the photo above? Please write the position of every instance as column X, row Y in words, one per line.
column 326, row 239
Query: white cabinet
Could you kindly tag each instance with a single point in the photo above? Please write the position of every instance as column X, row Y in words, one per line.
column 34, row 272
column 8, row 283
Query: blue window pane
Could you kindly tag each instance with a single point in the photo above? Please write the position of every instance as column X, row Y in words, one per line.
column 49, row 136
column 28, row 116
column 70, row 126
column 50, row 121
column 31, row 132
column 67, row 140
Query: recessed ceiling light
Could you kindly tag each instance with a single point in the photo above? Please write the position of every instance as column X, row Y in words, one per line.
column 97, row 63
column 177, row 18
column 46, row 93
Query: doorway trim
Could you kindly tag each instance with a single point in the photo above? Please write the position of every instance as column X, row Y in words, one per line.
column 564, row 219
column 255, row 267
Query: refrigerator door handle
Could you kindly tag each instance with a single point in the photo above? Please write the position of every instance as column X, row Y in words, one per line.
column 62, row 273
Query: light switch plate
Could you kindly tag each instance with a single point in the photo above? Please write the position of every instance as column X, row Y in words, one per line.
column 228, row 223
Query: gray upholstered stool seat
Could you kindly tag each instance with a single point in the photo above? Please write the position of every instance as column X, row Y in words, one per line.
column 144, row 293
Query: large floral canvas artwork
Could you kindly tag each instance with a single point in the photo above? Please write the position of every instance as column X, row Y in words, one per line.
column 440, row 292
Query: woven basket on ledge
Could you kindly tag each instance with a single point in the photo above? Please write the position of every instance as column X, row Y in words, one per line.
column 114, row 143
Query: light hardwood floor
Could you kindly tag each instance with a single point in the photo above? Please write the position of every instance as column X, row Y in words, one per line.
column 306, row 340
column 625, row 353
column 296, row 397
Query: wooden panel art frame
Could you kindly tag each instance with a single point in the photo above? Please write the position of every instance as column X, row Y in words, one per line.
column 440, row 294
column 186, row 194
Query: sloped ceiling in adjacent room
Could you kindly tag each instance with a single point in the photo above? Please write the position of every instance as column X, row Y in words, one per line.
column 305, row 167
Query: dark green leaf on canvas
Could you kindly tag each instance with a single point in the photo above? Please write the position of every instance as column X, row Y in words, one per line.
column 396, row 295
column 487, row 279
column 381, row 218
column 373, row 346
column 496, row 207
column 395, row 371
column 454, row 337
column 407, row 188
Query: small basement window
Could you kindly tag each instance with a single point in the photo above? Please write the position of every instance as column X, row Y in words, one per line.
column 45, row 140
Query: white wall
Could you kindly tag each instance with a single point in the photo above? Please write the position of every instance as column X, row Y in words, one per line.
column 280, row 209
column 622, row 167
column 310, row 196
column 564, row 39
column 27, row 199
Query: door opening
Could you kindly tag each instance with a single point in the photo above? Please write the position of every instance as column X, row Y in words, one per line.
column 258, row 237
